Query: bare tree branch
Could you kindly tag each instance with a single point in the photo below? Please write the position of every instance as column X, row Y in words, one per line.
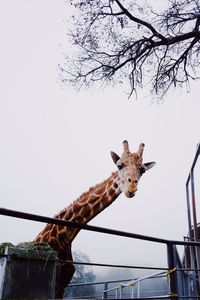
column 121, row 41
column 139, row 21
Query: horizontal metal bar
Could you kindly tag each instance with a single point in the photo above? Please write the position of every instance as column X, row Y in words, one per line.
column 155, row 297
column 187, row 270
column 152, row 297
column 113, row 265
column 43, row 219
column 188, row 297
column 142, row 298
column 133, row 282
column 39, row 218
column 108, row 282
column 98, row 282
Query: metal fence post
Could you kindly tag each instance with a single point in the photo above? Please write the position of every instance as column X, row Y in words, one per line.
column 105, row 294
column 195, row 231
column 172, row 271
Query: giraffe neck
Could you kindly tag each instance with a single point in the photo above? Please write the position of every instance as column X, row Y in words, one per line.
column 84, row 209
column 90, row 204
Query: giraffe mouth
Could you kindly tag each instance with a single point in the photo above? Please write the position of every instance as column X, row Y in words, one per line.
column 130, row 194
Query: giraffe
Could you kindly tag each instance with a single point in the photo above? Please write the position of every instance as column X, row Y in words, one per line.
column 125, row 180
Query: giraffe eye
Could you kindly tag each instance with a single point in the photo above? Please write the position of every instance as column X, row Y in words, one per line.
column 120, row 166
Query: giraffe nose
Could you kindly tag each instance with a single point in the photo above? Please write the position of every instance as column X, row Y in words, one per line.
column 132, row 185
column 132, row 180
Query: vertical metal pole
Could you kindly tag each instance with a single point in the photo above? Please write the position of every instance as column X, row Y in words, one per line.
column 138, row 289
column 197, row 263
column 172, row 272
column 189, row 212
column 120, row 292
column 191, row 178
column 3, row 264
column 116, row 294
column 188, row 264
column 105, row 294
column 132, row 291
column 194, row 206
column 193, row 229
column 191, row 263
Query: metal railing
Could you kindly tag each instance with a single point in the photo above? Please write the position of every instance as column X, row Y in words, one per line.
column 183, row 277
column 173, row 267
column 192, row 226
column 134, row 286
column 193, row 253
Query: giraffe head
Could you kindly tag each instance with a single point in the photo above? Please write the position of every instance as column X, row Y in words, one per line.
column 130, row 168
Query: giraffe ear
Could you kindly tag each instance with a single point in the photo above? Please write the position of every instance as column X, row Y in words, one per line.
column 114, row 156
column 149, row 165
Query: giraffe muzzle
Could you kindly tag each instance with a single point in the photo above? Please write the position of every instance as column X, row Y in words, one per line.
column 130, row 194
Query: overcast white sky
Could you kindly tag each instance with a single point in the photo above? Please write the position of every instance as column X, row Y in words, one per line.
column 55, row 143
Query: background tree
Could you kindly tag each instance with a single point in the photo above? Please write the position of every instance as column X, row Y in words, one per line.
column 127, row 41
column 83, row 274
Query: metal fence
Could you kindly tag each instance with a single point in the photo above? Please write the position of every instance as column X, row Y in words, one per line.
column 183, row 281
column 192, row 254
column 183, row 276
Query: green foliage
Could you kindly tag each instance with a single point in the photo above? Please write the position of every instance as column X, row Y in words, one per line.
column 35, row 246
column 83, row 274
column 3, row 247
column 29, row 250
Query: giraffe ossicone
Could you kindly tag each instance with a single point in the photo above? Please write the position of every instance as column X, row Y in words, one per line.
column 88, row 205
